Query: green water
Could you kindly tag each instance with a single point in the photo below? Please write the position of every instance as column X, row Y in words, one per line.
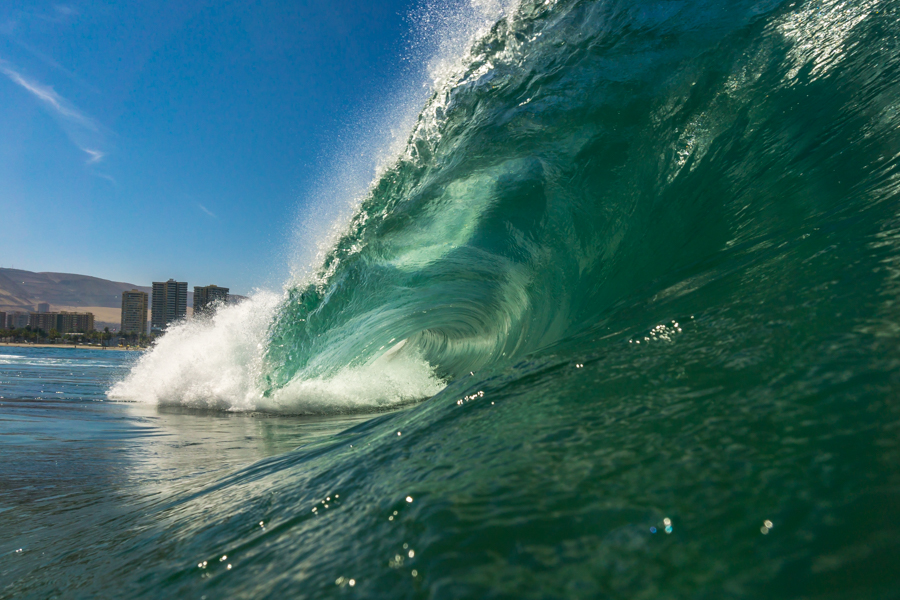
column 630, row 299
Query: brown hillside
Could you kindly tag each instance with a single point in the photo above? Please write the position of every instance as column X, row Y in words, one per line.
column 23, row 290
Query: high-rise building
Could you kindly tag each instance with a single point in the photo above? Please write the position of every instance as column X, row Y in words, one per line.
column 63, row 322
column 134, row 312
column 17, row 320
column 169, row 303
column 43, row 321
column 70, row 322
column 2, row 320
column 204, row 296
column 44, row 307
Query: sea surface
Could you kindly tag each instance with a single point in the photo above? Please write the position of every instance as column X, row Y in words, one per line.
column 620, row 320
column 81, row 476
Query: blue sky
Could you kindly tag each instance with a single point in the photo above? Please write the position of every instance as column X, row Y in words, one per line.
column 146, row 140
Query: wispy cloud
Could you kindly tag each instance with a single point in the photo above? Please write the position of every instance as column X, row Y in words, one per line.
column 49, row 97
column 82, row 130
column 95, row 155
column 207, row 211
column 64, row 10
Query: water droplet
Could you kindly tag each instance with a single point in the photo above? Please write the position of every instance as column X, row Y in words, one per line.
column 409, row 499
column 415, row 573
column 412, row 553
column 228, row 567
column 352, row 582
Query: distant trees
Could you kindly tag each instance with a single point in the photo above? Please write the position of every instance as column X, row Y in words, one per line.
column 24, row 334
column 39, row 336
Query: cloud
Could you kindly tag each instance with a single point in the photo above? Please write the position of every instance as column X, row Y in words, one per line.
column 49, row 97
column 82, row 130
column 207, row 211
column 95, row 155
column 65, row 10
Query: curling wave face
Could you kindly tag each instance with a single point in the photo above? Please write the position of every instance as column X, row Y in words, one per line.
column 585, row 155
column 580, row 160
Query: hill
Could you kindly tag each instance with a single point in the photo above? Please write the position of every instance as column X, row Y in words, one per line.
column 22, row 291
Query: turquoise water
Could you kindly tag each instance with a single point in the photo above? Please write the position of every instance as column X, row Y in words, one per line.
column 621, row 321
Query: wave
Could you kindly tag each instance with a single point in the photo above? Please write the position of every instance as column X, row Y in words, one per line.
column 579, row 160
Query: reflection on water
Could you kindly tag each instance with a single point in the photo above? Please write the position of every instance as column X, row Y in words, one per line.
column 81, row 478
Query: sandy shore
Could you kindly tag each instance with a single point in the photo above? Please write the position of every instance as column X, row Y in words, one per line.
column 69, row 346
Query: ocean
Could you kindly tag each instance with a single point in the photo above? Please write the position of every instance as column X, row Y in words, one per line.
column 620, row 320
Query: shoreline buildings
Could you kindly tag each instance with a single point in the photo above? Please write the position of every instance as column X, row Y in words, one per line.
column 134, row 312
column 205, row 296
column 63, row 322
column 17, row 320
column 169, row 303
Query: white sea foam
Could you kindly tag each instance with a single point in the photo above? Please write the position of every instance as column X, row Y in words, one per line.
column 381, row 384
column 209, row 362
column 217, row 363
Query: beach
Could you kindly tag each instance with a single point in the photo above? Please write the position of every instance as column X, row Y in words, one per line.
column 66, row 346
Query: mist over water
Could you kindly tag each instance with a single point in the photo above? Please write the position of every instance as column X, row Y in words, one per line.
column 632, row 275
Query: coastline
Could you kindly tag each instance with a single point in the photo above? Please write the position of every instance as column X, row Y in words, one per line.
column 69, row 346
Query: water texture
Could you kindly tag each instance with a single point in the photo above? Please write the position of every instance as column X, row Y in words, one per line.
column 635, row 280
